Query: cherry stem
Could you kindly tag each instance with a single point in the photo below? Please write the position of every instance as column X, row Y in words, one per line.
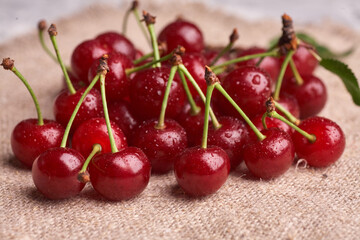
column 310, row 137
column 37, row 106
column 243, row 115
column 195, row 109
column 83, row 175
column 77, row 107
column 161, row 121
column 291, row 117
column 125, row 21
column 154, row 44
column 143, row 58
column 46, row 49
column 282, row 73
column 141, row 25
column 106, row 114
column 220, row 54
column 315, row 55
column 147, row 65
column 263, row 120
column 214, row 120
column 209, row 91
column 298, row 78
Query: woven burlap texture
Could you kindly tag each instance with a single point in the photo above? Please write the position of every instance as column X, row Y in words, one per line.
column 302, row 204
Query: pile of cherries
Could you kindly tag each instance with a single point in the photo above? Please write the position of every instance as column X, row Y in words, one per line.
column 148, row 114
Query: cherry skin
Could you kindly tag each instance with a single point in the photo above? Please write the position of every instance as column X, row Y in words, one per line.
column 29, row 140
column 270, row 123
column 201, row 172
column 138, row 54
column 270, row 157
column 117, row 42
column 161, row 146
column 195, row 63
column 290, row 103
column 183, row 33
column 116, row 83
column 311, row 95
column 249, row 87
column 147, row 89
column 304, row 62
column 77, row 82
column 120, row 176
column 329, row 144
column 211, row 53
column 95, row 131
column 66, row 102
column 84, row 55
column 55, row 173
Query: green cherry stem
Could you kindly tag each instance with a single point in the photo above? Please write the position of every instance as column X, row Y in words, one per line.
column 8, row 64
column 83, row 175
column 209, row 91
column 232, row 39
column 147, row 65
column 41, row 28
column 298, row 78
column 125, row 21
column 263, row 120
column 143, row 29
column 291, row 117
column 53, row 32
column 143, row 58
column 150, row 21
column 195, row 109
column 282, row 73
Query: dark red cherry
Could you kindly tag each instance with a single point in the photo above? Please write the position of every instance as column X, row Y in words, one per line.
column 211, row 53
column 290, row 103
column 84, row 55
column 311, row 95
column 117, row 42
column 147, row 90
column 120, row 176
column 270, row 157
column 270, row 123
column 195, row 63
column 116, row 83
column 161, row 146
column 138, row 54
column 329, row 144
column 183, row 33
column 304, row 61
column 201, row 172
column 77, row 82
column 55, row 173
column 29, row 140
column 65, row 104
column 249, row 87
column 95, row 131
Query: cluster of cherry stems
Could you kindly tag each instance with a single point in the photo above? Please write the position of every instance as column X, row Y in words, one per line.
column 245, row 123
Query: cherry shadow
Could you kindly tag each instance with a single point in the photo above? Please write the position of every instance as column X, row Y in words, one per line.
column 175, row 191
column 13, row 162
column 34, row 195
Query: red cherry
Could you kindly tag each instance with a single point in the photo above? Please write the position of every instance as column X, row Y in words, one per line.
column 249, row 87
column 117, row 42
column 211, row 53
column 304, row 61
column 147, row 90
column 183, row 33
column 270, row 157
column 29, row 140
column 311, row 95
column 161, row 146
column 117, row 83
column 94, row 131
column 138, row 54
column 290, row 103
column 121, row 175
column 329, row 144
column 65, row 104
column 201, row 172
column 55, row 173
column 195, row 63
column 77, row 82
column 270, row 123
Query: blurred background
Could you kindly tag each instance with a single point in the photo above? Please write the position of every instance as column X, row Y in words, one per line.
column 20, row 16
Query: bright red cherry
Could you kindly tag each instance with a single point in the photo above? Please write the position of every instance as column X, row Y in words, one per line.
column 249, row 86
column 161, row 146
column 328, row 146
column 55, row 173
column 117, row 83
column 121, row 175
column 183, row 33
column 201, row 172
column 94, row 131
column 195, row 63
column 117, row 42
column 311, row 95
column 29, row 140
column 147, row 90
column 270, row 157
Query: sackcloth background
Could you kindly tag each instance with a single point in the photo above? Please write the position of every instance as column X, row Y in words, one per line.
column 304, row 203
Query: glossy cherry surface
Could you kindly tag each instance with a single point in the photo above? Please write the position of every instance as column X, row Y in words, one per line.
column 304, row 62
column 55, row 173
column 95, row 131
column 161, row 146
column 195, row 64
column 270, row 157
column 120, row 176
column 201, row 172
column 290, row 103
column 329, row 144
column 183, row 33
column 147, row 90
column 311, row 95
column 29, row 140
column 117, row 42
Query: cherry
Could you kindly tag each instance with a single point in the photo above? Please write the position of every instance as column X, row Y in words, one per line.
column 183, row 33
column 194, row 63
column 55, row 173
column 270, row 123
column 249, row 86
column 117, row 83
column 304, row 61
column 271, row 157
column 147, row 91
column 161, row 146
column 211, row 53
column 328, row 146
column 138, row 54
column 311, row 95
column 117, row 42
column 94, row 131
column 290, row 104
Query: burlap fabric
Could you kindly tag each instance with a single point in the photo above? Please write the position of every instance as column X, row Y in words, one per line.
column 302, row 204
